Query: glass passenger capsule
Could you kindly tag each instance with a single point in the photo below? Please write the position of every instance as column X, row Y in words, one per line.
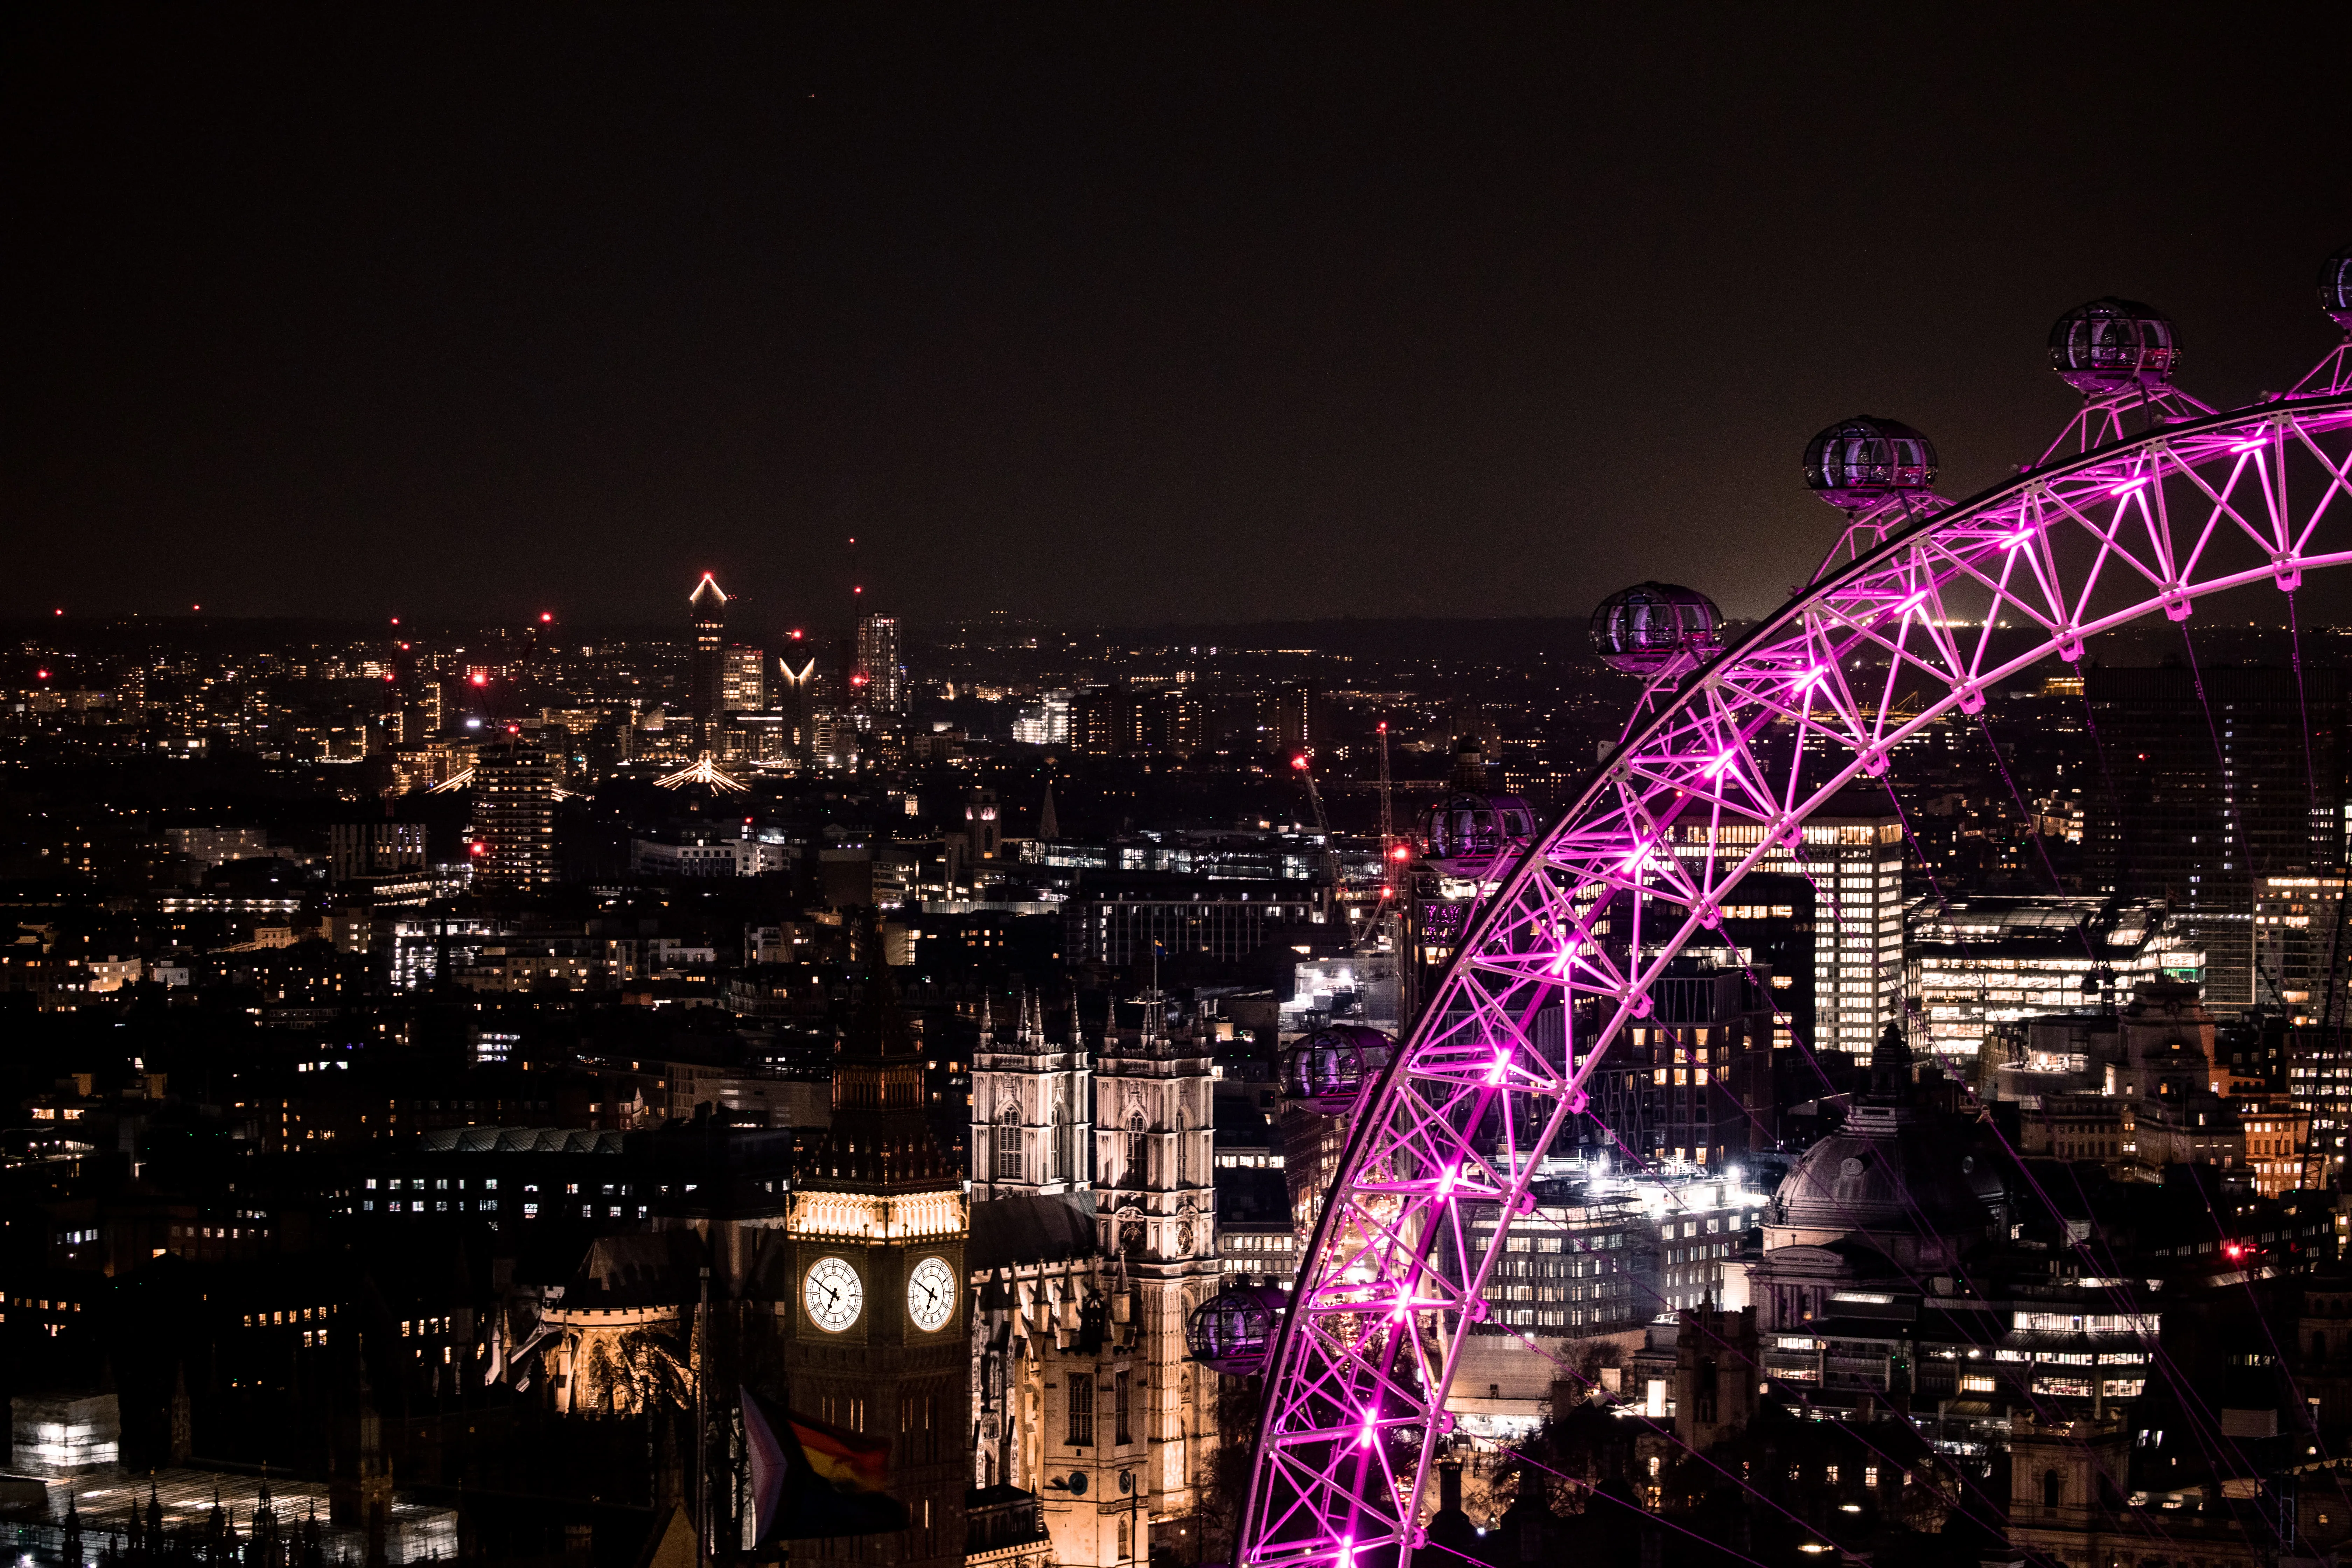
column 1329, row 1071
column 2336, row 288
column 1859, row 462
column 1234, row 1331
column 2113, row 345
column 1657, row 629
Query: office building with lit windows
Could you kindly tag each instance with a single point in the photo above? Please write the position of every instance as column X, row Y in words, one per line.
column 514, row 819
column 878, row 678
column 744, row 681
column 1977, row 963
column 1851, row 859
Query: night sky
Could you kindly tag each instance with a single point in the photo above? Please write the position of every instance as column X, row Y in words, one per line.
column 1105, row 313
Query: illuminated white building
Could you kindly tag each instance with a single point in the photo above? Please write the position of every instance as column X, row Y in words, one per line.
column 1852, row 854
column 1991, row 960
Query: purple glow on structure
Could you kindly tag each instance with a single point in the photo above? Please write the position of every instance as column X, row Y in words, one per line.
column 1721, row 778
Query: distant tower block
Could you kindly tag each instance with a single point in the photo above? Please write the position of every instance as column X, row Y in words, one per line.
column 880, row 680
column 709, row 678
column 1862, row 462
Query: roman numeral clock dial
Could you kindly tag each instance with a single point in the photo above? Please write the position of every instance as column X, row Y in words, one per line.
column 930, row 1294
column 833, row 1294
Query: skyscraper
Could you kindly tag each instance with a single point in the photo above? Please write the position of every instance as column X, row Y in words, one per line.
column 706, row 679
column 2173, row 820
column 877, row 680
column 743, row 685
column 1853, row 855
column 514, row 819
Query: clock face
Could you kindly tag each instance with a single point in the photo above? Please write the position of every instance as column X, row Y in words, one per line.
column 930, row 1294
column 834, row 1294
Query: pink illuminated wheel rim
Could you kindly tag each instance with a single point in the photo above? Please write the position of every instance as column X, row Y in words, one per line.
column 1822, row 692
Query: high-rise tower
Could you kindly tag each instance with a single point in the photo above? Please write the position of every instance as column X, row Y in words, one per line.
column 877, row 1339
column 706, row 681
column 514, row 819
column 877, row 680
column 2215, row 781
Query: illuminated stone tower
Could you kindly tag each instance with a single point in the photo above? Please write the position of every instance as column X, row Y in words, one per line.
column 878, row 1340
column 1032, row 1110
column 1156, row 1196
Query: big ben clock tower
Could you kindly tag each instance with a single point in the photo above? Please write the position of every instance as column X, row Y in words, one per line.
column 878, row 1340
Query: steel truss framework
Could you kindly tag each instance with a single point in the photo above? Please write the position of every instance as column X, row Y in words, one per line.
column 1724, row 777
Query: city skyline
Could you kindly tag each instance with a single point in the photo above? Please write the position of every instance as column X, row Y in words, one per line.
column 1227, row 787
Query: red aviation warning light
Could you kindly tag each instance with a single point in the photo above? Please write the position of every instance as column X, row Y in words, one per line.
column 794, row 634
column 40, row 675
column 1399, row 853
column 477, row 847
column 546, row 617
column 481, row 680
column 1299, row 762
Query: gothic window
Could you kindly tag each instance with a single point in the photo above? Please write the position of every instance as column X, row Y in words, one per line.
column 1082, row 1410
column 1120, row 1402
column 2053, row 1486
column 1060, row 1140
column 1136, row 1176
column 1008, row 1145
column 1183, row 1152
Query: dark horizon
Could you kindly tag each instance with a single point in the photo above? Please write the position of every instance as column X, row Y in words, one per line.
column 1115, row 317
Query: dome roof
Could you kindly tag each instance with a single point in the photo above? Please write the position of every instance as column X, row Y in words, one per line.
column 2336, row 288
column 1860, row 461
column 1893, row 1173
column 2111, row 345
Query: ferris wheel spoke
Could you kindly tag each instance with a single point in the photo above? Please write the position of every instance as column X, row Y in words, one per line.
column 1924, row 609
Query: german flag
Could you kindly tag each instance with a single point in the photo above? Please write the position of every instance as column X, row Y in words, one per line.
column 811, row 1478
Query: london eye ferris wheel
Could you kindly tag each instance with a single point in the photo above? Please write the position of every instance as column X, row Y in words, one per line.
column 2147, row 502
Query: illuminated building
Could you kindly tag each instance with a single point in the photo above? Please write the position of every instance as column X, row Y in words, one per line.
column 2297, row 938
column 1851, row 858
column 1155, row 1201
column 1033, row 1109
column 1117, row 917
column 707, row 679
column 2197, row 830
column 1045, row 723
column 514, row 819
column 1985, row 961
column 1692, row 1085
column 875, row 1333
column 877, row 677
column 744, row 681
column 358, row 850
